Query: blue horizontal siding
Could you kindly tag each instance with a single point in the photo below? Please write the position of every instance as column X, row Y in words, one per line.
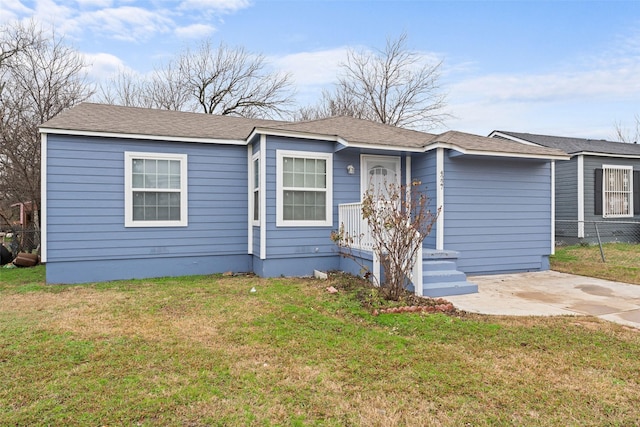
column 287, row 242
column 69, row 272
column 423, row 168
column 497, row 213
column 85, row 204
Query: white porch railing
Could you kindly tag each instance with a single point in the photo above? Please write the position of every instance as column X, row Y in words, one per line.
column 350, row 217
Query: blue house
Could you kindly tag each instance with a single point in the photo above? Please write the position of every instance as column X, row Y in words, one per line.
column 133, row 193
column 598, row 191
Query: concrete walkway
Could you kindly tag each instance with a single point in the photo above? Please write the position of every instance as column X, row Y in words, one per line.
column 549, row 293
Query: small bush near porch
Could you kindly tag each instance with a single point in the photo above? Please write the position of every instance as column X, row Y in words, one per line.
column 206, row 350
column 622, row 261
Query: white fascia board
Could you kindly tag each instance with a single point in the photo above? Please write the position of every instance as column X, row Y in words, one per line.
column 497, row 153
column 332, row 138
column 144, row 136
column 623, row 156
column 387, row 147
column 294, row 134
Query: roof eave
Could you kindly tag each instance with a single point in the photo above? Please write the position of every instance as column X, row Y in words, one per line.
column 199, row 140
column 497, row 153
column 595, row 153
column 328, row 137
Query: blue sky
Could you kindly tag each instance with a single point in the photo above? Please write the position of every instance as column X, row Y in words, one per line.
column 555, row 67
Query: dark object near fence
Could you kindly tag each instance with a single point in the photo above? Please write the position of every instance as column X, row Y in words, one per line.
column 25, row 260
column 5, row 256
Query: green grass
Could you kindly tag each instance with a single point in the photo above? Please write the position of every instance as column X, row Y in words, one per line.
column 622, row 261
column 204, row 350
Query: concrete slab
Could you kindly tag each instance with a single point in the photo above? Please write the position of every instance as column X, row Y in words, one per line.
column 550, row 293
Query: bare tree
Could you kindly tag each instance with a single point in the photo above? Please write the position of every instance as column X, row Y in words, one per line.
column 398, row 220
column 230, row 81
column 37, row 81
column 630, row 136
column 167, row 89
column 395, row 86
column 215, row 80
column 332, row 104
column 17, row 38
column 124, row 88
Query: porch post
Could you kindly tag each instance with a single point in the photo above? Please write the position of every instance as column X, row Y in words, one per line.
column 440, row 198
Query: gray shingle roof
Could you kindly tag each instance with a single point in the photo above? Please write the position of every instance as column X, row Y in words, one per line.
column 117, row 119
column 358, row 131
column 478, row 143
column 111, row 119
column 578, row 145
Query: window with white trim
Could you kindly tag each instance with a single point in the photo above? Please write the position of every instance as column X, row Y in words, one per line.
column 304, row 188
column 617, row 191
column 155, row 190
column 256, row 188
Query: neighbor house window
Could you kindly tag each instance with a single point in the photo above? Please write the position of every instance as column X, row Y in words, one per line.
column 256, row 187
column 617, row 190
column 304, row 184
column 155, row 190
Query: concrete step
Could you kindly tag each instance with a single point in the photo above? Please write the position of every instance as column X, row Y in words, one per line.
column 438, row 265
column 450, row 288
column 443, row 276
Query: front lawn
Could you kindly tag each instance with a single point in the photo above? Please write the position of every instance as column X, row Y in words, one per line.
column 622, row 261
column 206, row 350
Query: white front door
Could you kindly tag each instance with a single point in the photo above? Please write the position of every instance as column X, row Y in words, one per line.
column 378, row 172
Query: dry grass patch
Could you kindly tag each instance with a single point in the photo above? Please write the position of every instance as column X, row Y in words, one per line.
column 622, row 261
column 206, row 351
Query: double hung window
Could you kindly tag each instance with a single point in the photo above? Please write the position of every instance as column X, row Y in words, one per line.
column 155, row 189
column 255, row 188
column 304, row 183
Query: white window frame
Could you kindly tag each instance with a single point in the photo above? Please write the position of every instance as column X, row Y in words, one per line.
column 128, row 189
column 606, row 192
column 328, row 157
column 255, row 189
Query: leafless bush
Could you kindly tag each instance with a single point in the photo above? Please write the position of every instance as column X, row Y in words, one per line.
column 398, row 221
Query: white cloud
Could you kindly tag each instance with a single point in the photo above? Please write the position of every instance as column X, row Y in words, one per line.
column 54, row 14
column 312, row 68
column 12, row 9
column 311, row 71
column 126, row 23
column 195, row 31
column 220, row 6
column 94, row 3
column 104, row 65
column 581, row 97
column 622, row 82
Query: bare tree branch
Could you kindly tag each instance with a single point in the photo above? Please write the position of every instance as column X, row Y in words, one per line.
column 230, row 81
column 630, row 136
column 215, row 80
column 392, row 86
column 40, row 79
